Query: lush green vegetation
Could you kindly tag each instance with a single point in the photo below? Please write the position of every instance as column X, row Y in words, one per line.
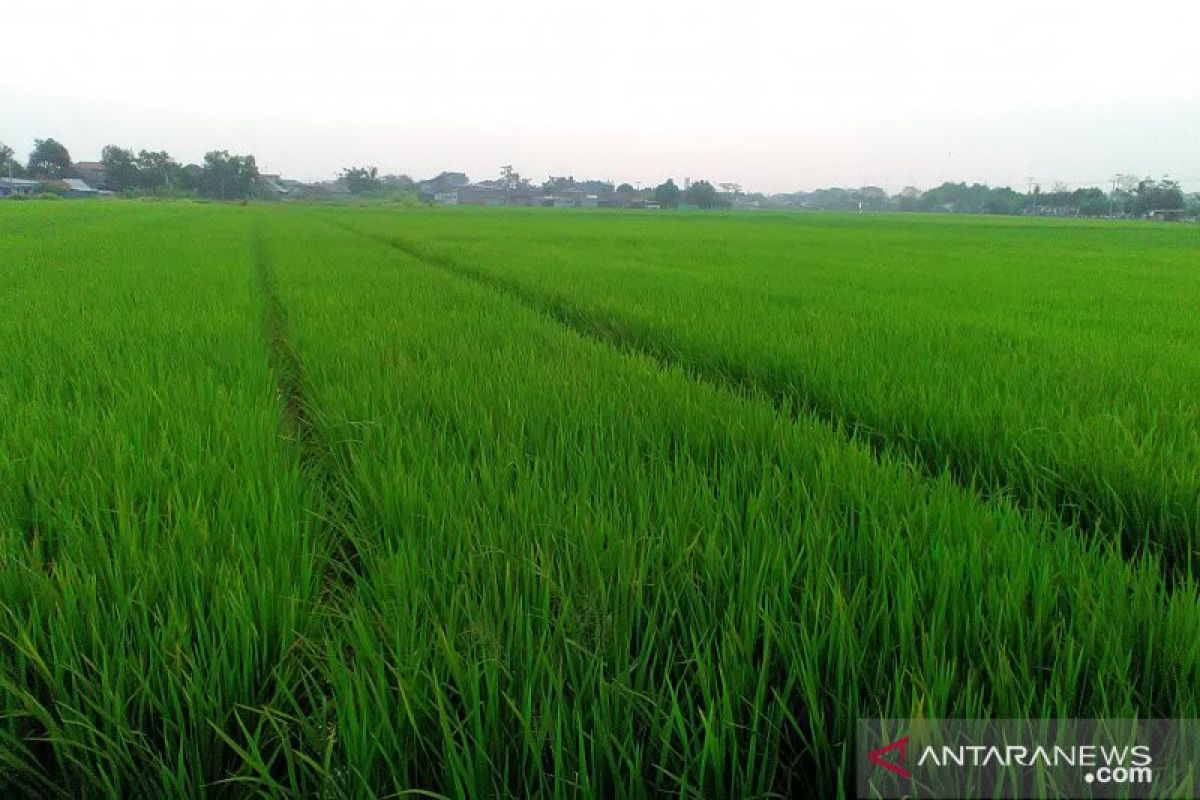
column 341, row 502
column 1055, row 363
column 157, row 557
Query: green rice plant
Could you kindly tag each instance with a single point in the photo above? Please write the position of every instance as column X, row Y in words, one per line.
column 350, row 502
column 158, row 560
column 1051, row 362
column 585, row 572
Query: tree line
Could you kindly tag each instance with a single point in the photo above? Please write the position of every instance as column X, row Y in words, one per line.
column 226, row 176
column 366, row 181
column 1133, row 197
column 222, row 176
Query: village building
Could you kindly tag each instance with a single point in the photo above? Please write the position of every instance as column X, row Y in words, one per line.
column 17, row 187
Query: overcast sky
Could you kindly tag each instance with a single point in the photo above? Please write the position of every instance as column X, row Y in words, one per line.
column 775, row 95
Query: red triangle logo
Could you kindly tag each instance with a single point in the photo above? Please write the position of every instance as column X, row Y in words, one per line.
column 900, row 745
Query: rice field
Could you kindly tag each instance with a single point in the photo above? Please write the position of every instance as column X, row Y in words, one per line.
column 357, row 501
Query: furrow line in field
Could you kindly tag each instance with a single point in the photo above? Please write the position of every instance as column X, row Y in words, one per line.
column 308, row 697
column 792, row 400
column 728, row 375
column 301, row 427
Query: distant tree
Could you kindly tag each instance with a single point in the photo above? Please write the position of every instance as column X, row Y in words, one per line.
column 1151, row 195
column 401, row 183
column 625, row 188
column 120, row 168
column 509, row 177
column 961, row 198
column 1121, row 202
column 667, row 194
column 1091, row 202
column 1128, row 182
column 873, row 198
column 361, row 180
column 157, row 171
column 511, row 180
column 703, row 195
column 49, row 159
column 909, row 199
column 9, row 166
column 190, row 177
column 557, row 183
column 1192, row 204
column 833, row 199
column 227, row 177
column 1003, row 200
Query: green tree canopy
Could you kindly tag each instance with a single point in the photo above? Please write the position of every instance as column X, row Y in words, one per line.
column 120, row 168
column 227, row 177
column 49, row 159
column 703, row 195
column 361, row 180
column 667, row 194
column 558, row 183
column 157, row 170
column 9, row 166
column 1152, row 195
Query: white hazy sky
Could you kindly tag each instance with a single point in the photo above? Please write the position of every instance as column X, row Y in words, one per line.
column 774, row 95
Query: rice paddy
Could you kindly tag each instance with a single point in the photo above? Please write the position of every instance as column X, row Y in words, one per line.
column 302, row 501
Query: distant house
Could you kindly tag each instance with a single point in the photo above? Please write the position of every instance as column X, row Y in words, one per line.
column 569, row 198
column 594, row 187
column 92, row 172
column 446, row 198
column 480, row 194
column 623, row 200
column 17, row 187
column 444, row 183
column 292, row 187
column 272, row 186
column 522, row 197
column 77, row 187
column 1166, row 214
column 329, row 189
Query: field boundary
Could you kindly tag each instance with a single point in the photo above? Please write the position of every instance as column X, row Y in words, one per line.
column 310, row 704
column 297, row 418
